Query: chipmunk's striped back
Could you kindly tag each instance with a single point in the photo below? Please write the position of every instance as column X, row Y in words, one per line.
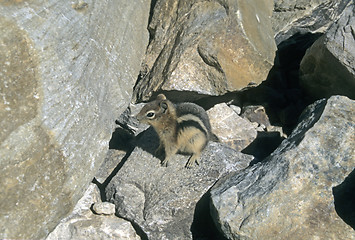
column 182, row 127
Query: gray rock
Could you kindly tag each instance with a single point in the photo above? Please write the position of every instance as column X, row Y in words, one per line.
column 105, row 208
column 289, row 195
column 230, row 128
column 328, row 66
column 304, row 16
column 236, row 109
column 112, row 158
column 67, row 70
column 256, row 114
column 197, row 47
column 83, row 224
column 162, row 200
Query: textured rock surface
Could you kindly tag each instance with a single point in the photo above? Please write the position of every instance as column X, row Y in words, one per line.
column 206, row 47
column 230, row 128
column 67, row 70
column 328, row 66
column 256, row 114
column 83, row 224
column 304, row 16
column 105, row 208
column 289, row 195
column 162, row 200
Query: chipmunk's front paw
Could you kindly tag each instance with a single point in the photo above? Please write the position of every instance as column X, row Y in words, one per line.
column 164, row 163
column 193, row 159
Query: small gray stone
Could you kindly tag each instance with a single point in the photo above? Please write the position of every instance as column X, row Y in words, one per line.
column 256, row 114
column 105, row 208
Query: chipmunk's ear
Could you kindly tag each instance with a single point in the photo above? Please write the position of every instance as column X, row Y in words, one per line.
column 161, row 97
column 164, row 106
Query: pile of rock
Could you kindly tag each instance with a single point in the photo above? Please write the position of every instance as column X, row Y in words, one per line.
column 277, row 80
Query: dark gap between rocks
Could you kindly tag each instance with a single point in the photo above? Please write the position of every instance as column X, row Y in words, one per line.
column 264, row 144
column 344, row 199
column 280, row 94
column 203, row 227
column 151, row 12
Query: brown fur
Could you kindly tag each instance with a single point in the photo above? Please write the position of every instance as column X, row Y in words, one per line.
column 181, row 128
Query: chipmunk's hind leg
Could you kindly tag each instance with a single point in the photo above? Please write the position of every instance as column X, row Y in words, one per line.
column 196, row 146
column 193, row 159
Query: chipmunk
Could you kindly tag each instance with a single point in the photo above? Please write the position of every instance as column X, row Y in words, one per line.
column 182, row 127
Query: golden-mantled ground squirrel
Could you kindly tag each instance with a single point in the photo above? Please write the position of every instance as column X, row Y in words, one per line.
column 182, row 127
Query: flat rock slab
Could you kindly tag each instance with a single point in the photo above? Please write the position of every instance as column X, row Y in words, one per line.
column 162, row 200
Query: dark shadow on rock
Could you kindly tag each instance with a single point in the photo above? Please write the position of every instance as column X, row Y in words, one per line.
column 281, row 94
column 121, row 139
column 137, row 228
column 344, row 199
column 263, row 145
column 203, row 227
column 102, row 186
column 148, row 140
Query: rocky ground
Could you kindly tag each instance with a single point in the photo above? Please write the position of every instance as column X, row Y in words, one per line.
column 277, row 79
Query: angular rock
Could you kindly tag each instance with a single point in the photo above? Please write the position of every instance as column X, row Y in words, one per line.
column 206, row 47
column 304, row 16
column 256, row 114
column 66, row 73
column 105, row 208
column 83, row 224
column 289, row 195
column 162, row 200
column 328, row 66
column 230, row 128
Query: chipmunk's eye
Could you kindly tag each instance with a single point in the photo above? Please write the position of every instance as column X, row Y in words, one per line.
column 150, row 114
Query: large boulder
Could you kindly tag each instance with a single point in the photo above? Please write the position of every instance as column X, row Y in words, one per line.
column 206, row 47
column 328, row 66
column 290, row 194
column 163, row 201
column 67, row 70
column 304, row 16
